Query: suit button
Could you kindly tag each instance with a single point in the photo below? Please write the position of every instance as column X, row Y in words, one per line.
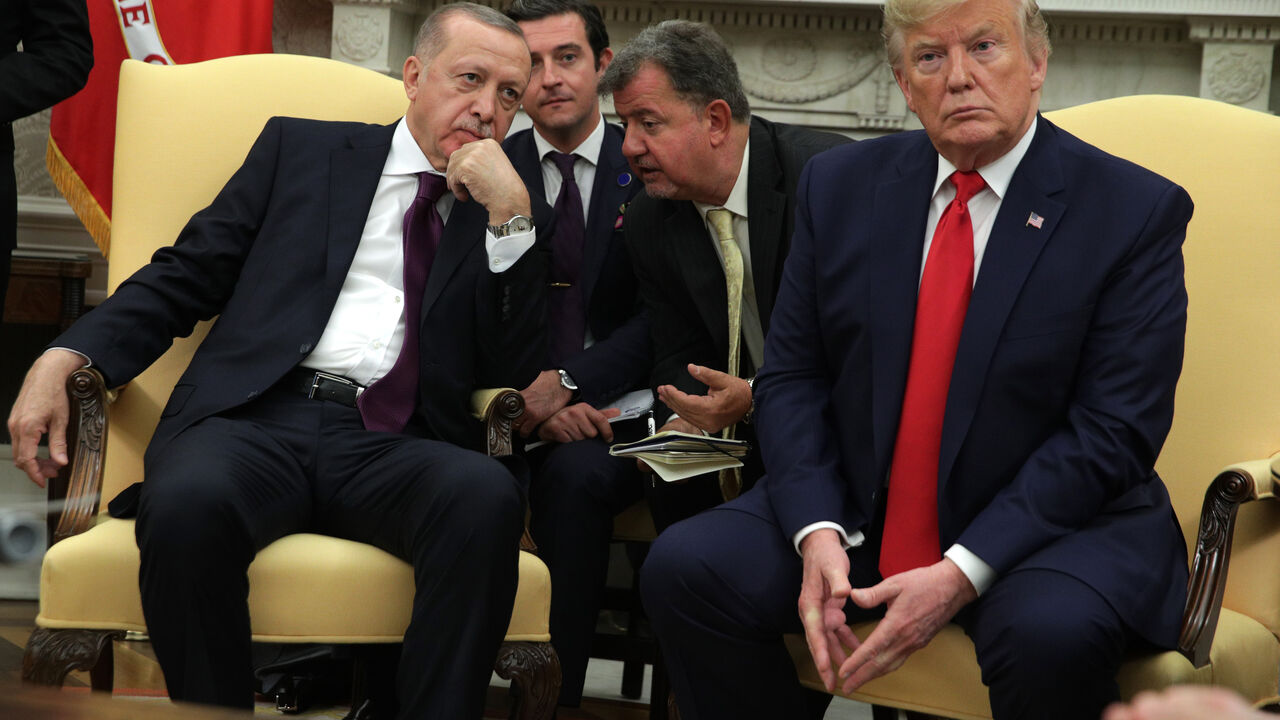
column 304, row 348
column 252, row 394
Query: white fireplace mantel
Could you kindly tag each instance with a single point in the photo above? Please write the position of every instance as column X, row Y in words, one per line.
column 819, row 62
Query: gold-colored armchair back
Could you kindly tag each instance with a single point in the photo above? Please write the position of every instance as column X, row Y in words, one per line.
column 1228, row 400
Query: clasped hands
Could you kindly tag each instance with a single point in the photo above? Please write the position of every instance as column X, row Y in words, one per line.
column 919, row 603
column 548, row 413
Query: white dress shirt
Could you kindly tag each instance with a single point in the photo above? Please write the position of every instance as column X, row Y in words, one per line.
column 366, row 327
column 983, row 208
column 584, row 172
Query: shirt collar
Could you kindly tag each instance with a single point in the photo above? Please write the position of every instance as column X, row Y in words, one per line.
column 406, row 158
column 997, row 175
column 589, row 150
column 737, row 200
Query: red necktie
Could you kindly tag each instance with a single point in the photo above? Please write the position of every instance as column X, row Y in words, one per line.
column 911, row 519
column 388, row 403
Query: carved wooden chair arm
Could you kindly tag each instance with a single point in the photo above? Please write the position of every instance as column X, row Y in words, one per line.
column 1234, row 486
column 497, row 408
column 86, row 443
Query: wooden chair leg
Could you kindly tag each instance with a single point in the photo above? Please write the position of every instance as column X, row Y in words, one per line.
column 534, row 672
column 52, row 654
column 636, row 653
column 661, row 700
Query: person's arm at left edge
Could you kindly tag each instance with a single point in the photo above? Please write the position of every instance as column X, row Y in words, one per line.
column 57, row 54
column 518, row 263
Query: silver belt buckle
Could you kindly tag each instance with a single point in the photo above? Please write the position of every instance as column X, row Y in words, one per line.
column 315, row 383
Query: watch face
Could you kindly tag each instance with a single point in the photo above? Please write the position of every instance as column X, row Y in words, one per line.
column 567, row 382
column 520, row 223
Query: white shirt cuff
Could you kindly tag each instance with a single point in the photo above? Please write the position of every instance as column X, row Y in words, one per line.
column 975, row 568
column 88, row 362
column 849, row 541
column 504, row 252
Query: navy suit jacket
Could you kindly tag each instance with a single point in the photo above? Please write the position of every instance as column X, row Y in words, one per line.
column 269, row 255
column 620, row 358
column 681, row 278
column 1062, row 391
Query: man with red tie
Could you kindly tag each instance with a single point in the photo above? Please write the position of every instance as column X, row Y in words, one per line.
column 969, row 374
column 366, row 279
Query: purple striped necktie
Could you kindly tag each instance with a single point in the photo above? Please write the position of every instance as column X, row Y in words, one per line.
column 568, row 313
column 387, row 404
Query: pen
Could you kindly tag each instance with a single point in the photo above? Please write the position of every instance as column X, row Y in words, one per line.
column 653, row 426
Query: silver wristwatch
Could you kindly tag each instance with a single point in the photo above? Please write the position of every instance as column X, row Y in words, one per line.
column 517, row 224
column 566, row 381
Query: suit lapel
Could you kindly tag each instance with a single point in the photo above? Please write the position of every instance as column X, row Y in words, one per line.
column 896, row 235
column 524, row 157
column 700, row 267
column 608, row 193
column 766, row 223
column 353, row 179
column 1011, row 252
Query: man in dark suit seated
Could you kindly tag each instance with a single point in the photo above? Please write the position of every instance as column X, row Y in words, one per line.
column 367, row 279
column 968, row 377
column 57, row 54
column 599, row 338
column 719, row 190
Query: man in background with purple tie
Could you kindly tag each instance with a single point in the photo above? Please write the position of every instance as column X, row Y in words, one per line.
column 968, row 376
column 366, row 279
column 599, row 339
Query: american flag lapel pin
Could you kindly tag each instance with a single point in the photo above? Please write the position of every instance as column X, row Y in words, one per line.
column 1035, row 221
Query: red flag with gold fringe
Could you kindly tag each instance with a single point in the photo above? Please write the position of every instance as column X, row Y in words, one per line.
column 82, row 129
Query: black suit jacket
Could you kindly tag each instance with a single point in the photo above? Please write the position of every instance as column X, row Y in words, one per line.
column 621, row 356
column 269, row 256
column 681, row 279
column 56, row 56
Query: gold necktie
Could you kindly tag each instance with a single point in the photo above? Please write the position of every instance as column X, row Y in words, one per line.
column 722, row 222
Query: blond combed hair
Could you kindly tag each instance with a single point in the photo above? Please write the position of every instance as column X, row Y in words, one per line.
column 901, row 16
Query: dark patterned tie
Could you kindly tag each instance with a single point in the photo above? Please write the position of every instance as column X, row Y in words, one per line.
column 387, row 404
column 568, row 314
column 911, row 518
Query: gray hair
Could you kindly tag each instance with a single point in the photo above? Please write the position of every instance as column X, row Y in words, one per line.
column 901, row 16
column 433, row 36
column 696, row 60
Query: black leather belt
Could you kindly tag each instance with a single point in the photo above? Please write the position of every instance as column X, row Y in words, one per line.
column 322, row 386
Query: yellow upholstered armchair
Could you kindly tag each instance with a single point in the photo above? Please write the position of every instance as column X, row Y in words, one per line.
column 1228, row 410
column 181, row 132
